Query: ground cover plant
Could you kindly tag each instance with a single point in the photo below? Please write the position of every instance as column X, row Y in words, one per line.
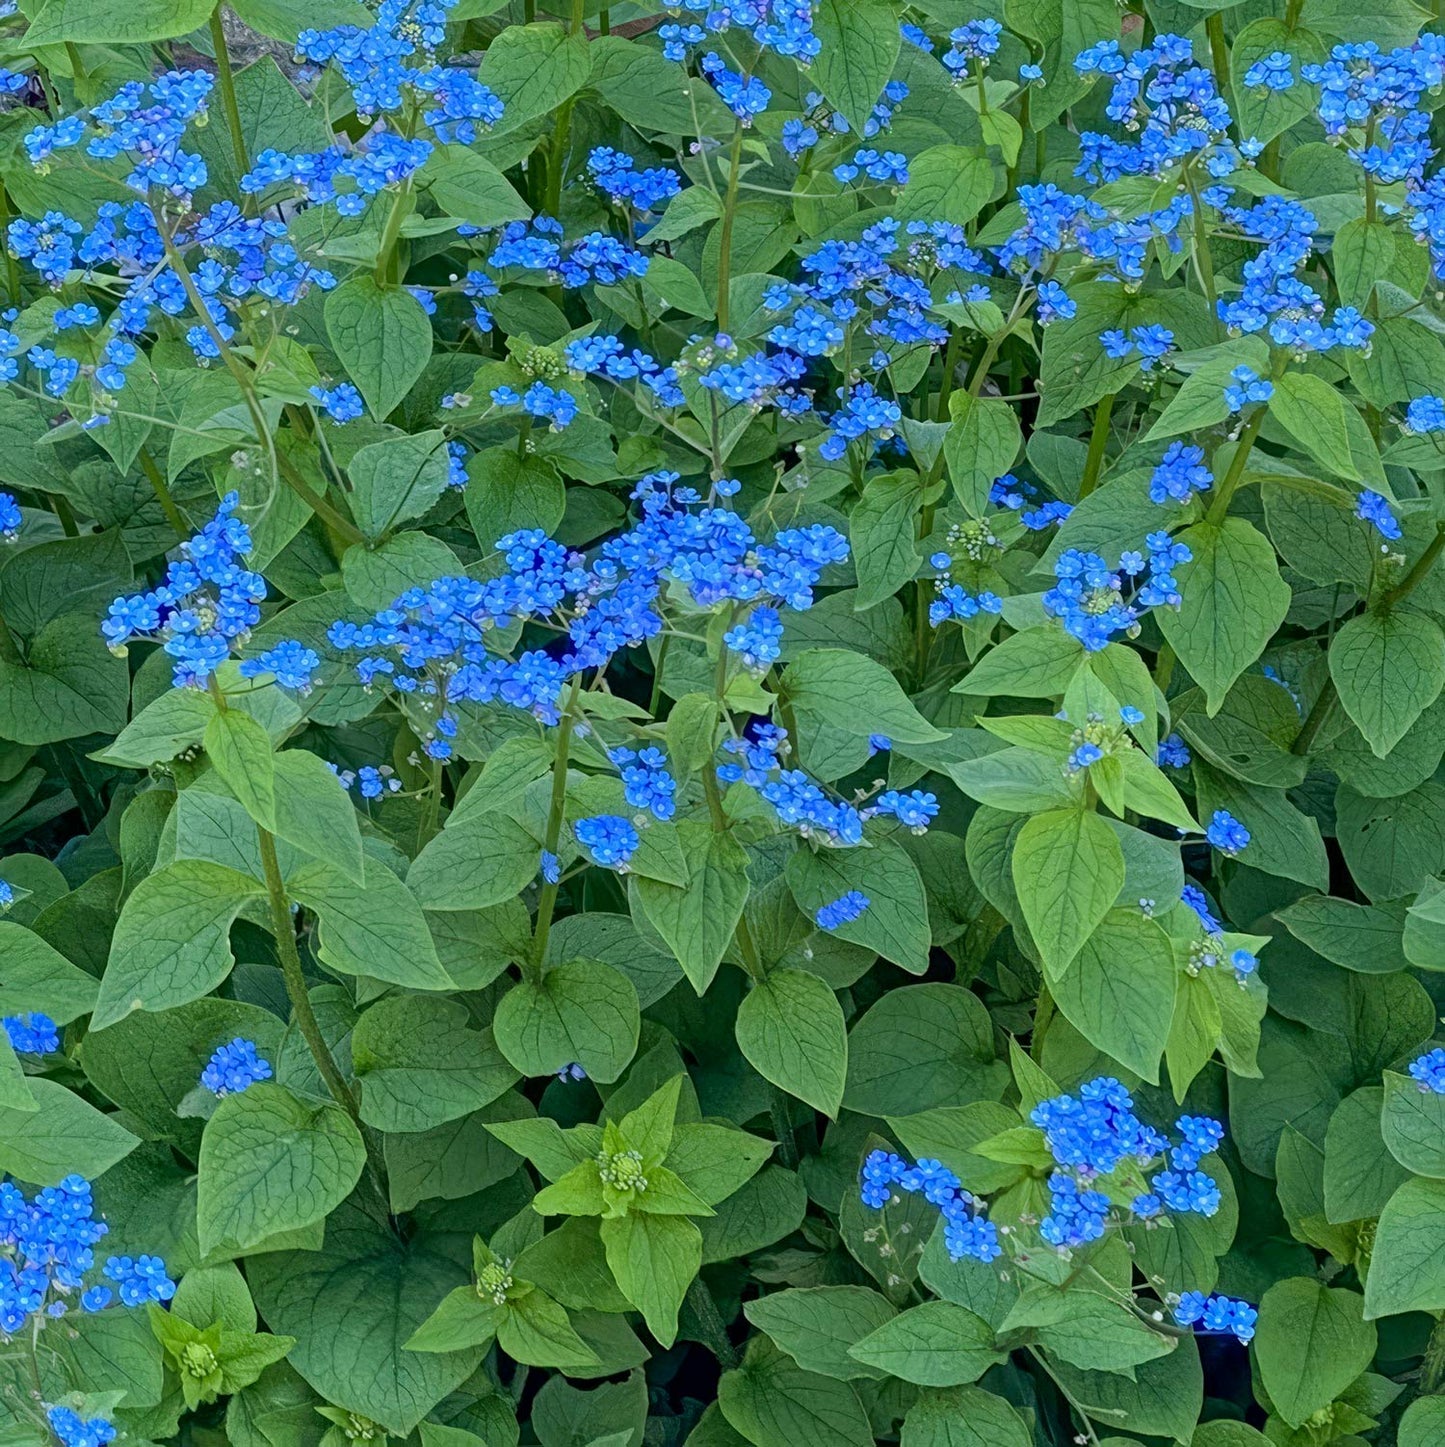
column 722, row 725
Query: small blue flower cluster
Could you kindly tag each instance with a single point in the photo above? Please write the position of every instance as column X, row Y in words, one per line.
column 1089, row 596
column 1207, row 952
column 371, row 781
column 967, row 1232
column 608, row 356
column 537, row 245
column 432, row 642
column 1153, row 343
column 744, row 95
column 615, row 174
column 1180, row 474
column 979, row 41
column 1424, row 415
column 341, row 403
column 1173, row 753
column 1245, row 387
column 47, row 1250
column 783, row 26
column 553, row 405
column 609, row 839
column 32, row 1034
column 74, row 1430
column 646, row 782
column 375, row 62
column 1377, row 94
column 1273, row 298
column 1371, row 508
column 1429, row 1070
column 1226, row 833
column 234, row 1066
column 1171, row 103
column 843, row 910
column 1222, row 1314
column 1091, row 1134
column 205, row 606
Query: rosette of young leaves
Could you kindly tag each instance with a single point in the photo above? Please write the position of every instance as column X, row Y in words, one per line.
column 646, row 1176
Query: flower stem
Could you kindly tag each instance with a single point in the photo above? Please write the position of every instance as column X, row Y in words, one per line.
column 295, row 977
column 710, row 1323
column 162, row 492
column 547, row 903
column 1220, row 506
column 725, row 230
column 228, row 91
column 1098, row 440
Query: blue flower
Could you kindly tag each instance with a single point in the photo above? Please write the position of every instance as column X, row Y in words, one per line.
column 841, row 911
column 1425, row 414
column 1173, row 753
column 1180, row 474
column 140, row 1280
column 1370, row 507
column 1274, row 71
column 292, row 664
column 206, row 604
column 76, row 1431
column 610, row 839
column 233, row 1067
column 1222, row 1314
column 32, row 1034
column 551, row 867
column 915, row 810
column 647, row 784
column 1245, row 388
column 1226, row 833
column 341, row 403
column 967, row 1232
column 1429, row 1070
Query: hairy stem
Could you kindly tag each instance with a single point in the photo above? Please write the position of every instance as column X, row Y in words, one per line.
column 547, row 903
column 725, row 231
column 227, row 80
column 162, row 492
column 1098, row 441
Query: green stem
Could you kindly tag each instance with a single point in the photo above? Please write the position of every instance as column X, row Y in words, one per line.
column 389, row 235
column 1218, row 51
column 1220, row 506
column 1203, row 256
column 65, row 514
column 710, row 1324
column 163, row 493
column 227, row 80
column 725, row 231
column 284, row 929
column 1432, row 1369
column 1323, row 708
column 12, row 267
column 782, row 1117
column 950, row 368
column 1370, row 201
column 1418, row 570
column 547, row 902
column 1098, row 441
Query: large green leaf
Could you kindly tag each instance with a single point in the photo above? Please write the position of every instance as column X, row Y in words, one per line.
column 790, row 1030
column 272, row 1162
column 1311, row 1343
column 1407, row 1269
column 383, row 338
column 774, row 1403
column 1389, row 667
column 59, row 1135
column 1068, row 869
column 583, row 1012
column 1233, row 600
column 860, row 43
column 421, row 1065
column 172, row 941
column 353, row 1304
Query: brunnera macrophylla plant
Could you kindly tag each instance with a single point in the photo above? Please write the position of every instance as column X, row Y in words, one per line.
column 721, row 724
